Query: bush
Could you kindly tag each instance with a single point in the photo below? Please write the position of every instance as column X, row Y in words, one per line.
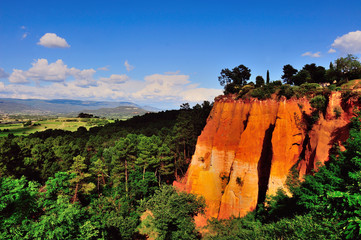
column 337, row 110
column 319, row 103
column 332, row 87
column 306, row 89
column 27, row 123
column 245, row 89
column 263, row 92
column 286, row 90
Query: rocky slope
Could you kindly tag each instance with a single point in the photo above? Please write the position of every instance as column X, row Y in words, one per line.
column 248, row 147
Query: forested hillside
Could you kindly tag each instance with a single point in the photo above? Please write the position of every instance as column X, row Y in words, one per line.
column 96, row 184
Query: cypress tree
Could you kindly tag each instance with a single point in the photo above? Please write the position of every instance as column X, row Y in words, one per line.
column 267, row 77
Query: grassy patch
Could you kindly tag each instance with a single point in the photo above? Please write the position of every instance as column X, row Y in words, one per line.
column 69, row 124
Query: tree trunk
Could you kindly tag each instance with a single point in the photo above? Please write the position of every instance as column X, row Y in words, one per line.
column 103, row 178
column 75, row 197
column 143, row 171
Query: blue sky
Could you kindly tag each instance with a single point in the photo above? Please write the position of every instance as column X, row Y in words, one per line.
column 163, row 53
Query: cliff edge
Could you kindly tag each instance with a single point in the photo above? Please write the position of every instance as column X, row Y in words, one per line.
column 248, row 148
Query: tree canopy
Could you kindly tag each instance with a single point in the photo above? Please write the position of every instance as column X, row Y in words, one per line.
column 235, row 79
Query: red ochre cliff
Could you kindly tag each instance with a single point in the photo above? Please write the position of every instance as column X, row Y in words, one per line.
column 248, row 147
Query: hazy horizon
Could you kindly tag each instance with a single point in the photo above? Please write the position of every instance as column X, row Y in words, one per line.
column 162, row 53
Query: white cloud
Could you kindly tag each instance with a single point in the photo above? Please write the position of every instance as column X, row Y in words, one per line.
column 200, row 94
column 310, row 54
column 128, row 66
column 25, row 35
column 331, row 50
column 116, row 79
column 173, row 88
column 23, row 27
column 348, row 43
column 51, row 40
column 57, row 80
column 2, row 87
column 3, row 74
column 106, row 68
column 18, row 76
column 84, row 78
column 41, row 70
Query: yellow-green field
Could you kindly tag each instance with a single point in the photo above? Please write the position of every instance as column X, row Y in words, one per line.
column 70, row 124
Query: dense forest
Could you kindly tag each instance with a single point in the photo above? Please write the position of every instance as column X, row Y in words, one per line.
column 96, row 184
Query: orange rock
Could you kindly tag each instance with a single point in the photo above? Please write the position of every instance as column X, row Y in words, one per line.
column 247, row 149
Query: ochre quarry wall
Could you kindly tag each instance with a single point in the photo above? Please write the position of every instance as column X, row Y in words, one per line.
column 248, row 147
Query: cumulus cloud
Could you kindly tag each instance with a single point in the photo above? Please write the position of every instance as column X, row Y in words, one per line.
column 3, row 74
column 173, row 87
column 51, row 40
column 310, row 54
column 84, row 78
column 57, row 80
column 348, row 43
column 116, row 79
column 18, row 76
column 331, row 50
column 41, row 70
column 128, row 66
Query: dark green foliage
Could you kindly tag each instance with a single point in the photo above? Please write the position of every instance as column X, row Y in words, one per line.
column 346, row 68
column 317, row 73
column 85, row 115
column 319, row 102
column 288, row 74
column 337, row 110
column 91, row 184
column 259, row 81
column 17, row 206
column 303, row 76
column 263, row 92
column 300, row 227
column 235, row 79
column 27, row 123
column 306, row 89
column 287, row 91
column 173, row 212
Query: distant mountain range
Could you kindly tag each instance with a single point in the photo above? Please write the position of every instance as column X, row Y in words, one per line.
column 71, row 107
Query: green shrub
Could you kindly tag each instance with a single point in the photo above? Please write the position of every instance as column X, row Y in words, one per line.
column 319, row 103
column 286, row 90
column 332, row 87
column 263, row 92
column 27, row 123
column 337, row 110
column 306, row 89
column 245, row 89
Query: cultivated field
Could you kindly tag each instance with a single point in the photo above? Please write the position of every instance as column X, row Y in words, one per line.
column 69, row 124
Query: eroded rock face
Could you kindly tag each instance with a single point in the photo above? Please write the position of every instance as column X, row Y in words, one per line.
column 247, row 149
